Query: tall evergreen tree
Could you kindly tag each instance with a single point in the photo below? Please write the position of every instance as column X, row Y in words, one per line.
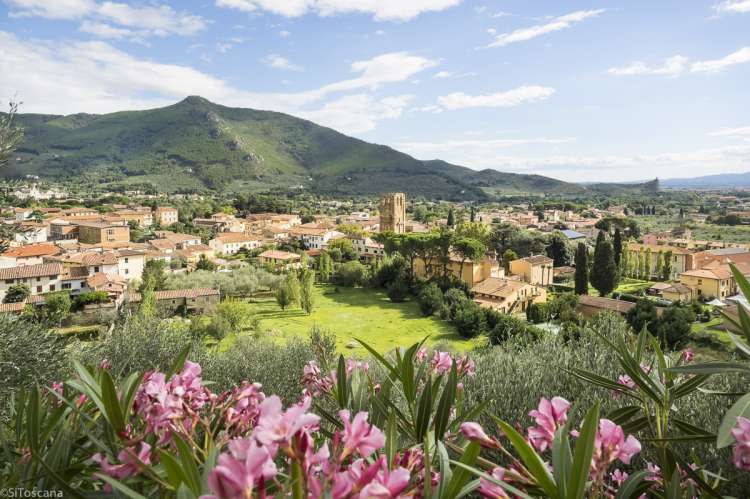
column 558, row 250
column 617, row 246
column 604, row 271
column 659, row 271
column 451, row 218
column 582, row 269
column 666, row 271
column 647, row 265
column 473, row 214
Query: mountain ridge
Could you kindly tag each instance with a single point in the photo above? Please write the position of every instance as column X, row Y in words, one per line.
column 195, row 144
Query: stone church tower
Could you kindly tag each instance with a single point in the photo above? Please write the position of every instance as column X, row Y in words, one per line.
column 393, row 212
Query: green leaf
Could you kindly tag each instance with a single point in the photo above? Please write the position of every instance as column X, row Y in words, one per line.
column 601, row 381
column 391, row 436
column 461, row 476
column 424, row 411
column 623, row 414
column 504, row 485
column 530, row 459
column 32, row 419
column 119, row 486
column 562, row 458
column 172, row 466
column 379, row 358
column 741, row 408
column 443, row 412
column 178, row 363
column 634, row 486
column 712, row 368
column 583, row 453
column 689, row 386
column 189, row 467
column 342, row 392
column 112, row 408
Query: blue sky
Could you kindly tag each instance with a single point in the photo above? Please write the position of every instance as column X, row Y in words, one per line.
column 577, row 90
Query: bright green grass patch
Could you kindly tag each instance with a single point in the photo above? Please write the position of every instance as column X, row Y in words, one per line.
column 359, row 313
column 629, row 285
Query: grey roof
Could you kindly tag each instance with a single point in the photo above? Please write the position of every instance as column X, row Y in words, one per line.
column 572, row 234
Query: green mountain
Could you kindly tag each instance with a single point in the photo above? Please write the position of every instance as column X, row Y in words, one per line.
column 198, row 144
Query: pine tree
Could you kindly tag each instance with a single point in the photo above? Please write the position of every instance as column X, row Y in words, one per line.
column 582, row 269
column 604, row 271
column 617, row 246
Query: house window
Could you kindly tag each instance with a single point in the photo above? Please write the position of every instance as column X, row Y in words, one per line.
column 66, row 285
column 126, row 260
column 38, row 289
column 96, row 269
column 51, row 287
column 9, row 281
column 127, row 271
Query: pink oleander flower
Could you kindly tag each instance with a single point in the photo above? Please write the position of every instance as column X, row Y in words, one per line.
column 687, row 356
column 421, row 354
column 626, row 381
column 314, row 381
column 246, row 466
column 549, row 416
column 131, row 462
column 172, row 406
column 465, row 366
column 474, row 431
column 354, row 364
column 105, row 364
column 277, row 427
column 243, row 414
column 387, row 484
column 490, row 489
column 359, row 435
column 654, row 472
column 442, row 362
column 611, row 445
column 741, row 433
column 618, row 477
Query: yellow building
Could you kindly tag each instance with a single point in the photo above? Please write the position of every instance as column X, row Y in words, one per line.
column 472, row 272
column 537, row 270
column 103, row 233
column 393, row 212
column 506, row 295
column 682, row 259
column 710, row 283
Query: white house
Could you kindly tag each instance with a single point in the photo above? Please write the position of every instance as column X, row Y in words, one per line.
column 229, row 243
column 41, row 278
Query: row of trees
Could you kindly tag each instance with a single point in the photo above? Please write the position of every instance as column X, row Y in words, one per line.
column 298, row 288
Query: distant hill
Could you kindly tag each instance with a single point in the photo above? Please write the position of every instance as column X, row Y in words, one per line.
column 738, row 180
column 198, row 144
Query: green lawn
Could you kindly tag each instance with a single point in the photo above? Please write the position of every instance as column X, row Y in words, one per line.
column 359, row 313
column 629, row 285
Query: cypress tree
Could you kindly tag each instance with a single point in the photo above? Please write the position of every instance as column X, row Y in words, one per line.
column 582, row 270
column 617, row 246
column 604, row 271
column 451, row 218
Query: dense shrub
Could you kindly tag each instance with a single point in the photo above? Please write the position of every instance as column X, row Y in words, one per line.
column 351, row 274
column 430, row 299
column 674, row 325
column 469, row 319
column 642, row 315
column 509, row 326
column 244, row 281
column 454, row 299
column 398, row 290
column 389, row 270
column 537, row 313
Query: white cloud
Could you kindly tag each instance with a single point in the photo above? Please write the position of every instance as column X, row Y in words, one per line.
column 672, row 66
column 743, row 131
column 381, row 10
column 278, row 62
column 99, row 17
column 95, row 77
column 357, row 113
column 556, row 24
column 442, row 74
column 284, row 34
column 714, row 66
column 479, row 147
column 510, row 98
column 733, row 6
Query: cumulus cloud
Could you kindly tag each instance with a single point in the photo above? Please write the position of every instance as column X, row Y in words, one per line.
column 672, row 66
column 510, row 98
column 113, row 19
column 556, row 24
column 714, row 66
column 743, row 132
column 733, row 6
column 678, row 64
column 278, row 62
column 95, row 77
column 381, row 10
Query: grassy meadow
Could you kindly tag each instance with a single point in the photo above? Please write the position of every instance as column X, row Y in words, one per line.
column 351, row 313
